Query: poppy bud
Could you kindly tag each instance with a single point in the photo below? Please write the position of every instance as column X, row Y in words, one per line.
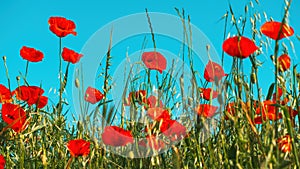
column 18, row 78
column 253, row 78
column 4, row 58
column 77, row 84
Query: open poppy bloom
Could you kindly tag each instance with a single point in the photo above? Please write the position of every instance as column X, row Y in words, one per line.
column 61, row 27
column 205, row 93
column 155, row 61
column 152, row 142
column 213, row 72
column 93, row 95
column 206, row 110
column 268, row 112
column 79, row 147
column 153, row 102
column 158, row 114
column 2, row 162
column 284, row 62
column 272, row 28
column 32, row 95
column 239, row 46
column 173, row 130
column 5, row 94
column 31, row 54
column 70, row 55
column 14, row 116
column 285, row 143
column 116, row 136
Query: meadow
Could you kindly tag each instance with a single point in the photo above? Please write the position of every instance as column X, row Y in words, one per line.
column 169, row 113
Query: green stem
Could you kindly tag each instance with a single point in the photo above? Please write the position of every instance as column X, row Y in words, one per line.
column 26, row 70
column 60, row 78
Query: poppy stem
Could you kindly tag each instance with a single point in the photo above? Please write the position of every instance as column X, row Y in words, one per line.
column 69, row 162
column 6, row 71
column 60, row 78
column 26, row 70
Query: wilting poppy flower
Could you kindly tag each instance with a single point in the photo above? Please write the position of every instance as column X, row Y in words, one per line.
column 5, row 94
column 173, row 130
column 155, row 61
column 152, row 142
column 14, row 116
column 206, row 110
column 205, row 93
column 230, row 108
column 61, row 27
column 272, row 28
column 79, row 147
column 213, row 72
column 2, row 162
column 153, row 102
column 284, row 62
column 239, row 46
column 31, row 54
column 93, row 95
column 158, row 114
column 137, row 96
column 285, row 143
column 70, row 55
column 116, row 136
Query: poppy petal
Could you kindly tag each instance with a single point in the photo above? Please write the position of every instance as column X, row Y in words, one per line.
column 213, row 72
column 61, row 27
column 79, row 147
column 272, row 28
column 116, row 136
column 155, row 61
column 239, row 46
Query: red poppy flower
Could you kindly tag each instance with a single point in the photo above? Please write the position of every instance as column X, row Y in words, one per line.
column 61, row 27
column 14, row 116
column 31, row 54
column 152, row 142
column 42, row 102
column 213, row 72
column 70, row 55
column 206, row 110
column 116, row 136
column 93, row 95
column 158, row 114
column 268, row 112
column 285, row 143
column 5, row 95
column 239, row 46
column 32, row 95
column 205, row 93
column 173, row 130
column 153, row 102
column 272, row 28
column 284, row 62
column 155, row 61
column 79, row 147
column 2, row 162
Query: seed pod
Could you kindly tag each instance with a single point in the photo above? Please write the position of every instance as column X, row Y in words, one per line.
column 253, row 78
column 77, row 84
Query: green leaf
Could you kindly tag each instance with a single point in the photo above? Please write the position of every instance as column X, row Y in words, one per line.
column 270, row 92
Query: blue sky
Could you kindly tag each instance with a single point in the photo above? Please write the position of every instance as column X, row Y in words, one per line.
column 25, row 23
